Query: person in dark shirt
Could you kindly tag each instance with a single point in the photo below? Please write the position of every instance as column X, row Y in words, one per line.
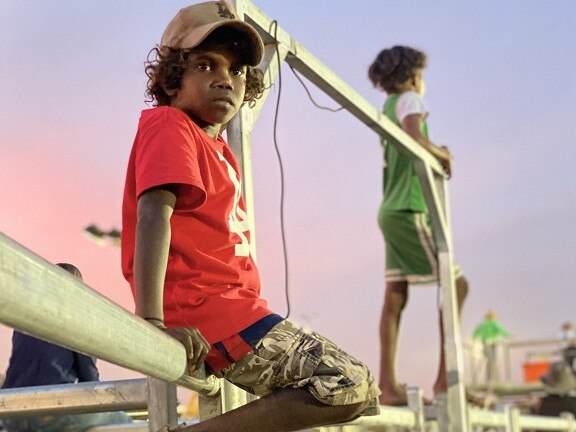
column 35, row 362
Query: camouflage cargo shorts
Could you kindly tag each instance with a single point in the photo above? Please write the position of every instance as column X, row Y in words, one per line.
column 289, row 356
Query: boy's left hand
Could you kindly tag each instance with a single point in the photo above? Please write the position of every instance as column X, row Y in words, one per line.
column 196, row 346
column 446, row 161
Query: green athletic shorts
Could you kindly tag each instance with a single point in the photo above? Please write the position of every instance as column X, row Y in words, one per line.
column 410, row 249
column 291, row 356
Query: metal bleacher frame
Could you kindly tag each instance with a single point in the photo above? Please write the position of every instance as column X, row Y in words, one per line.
column 73, row 315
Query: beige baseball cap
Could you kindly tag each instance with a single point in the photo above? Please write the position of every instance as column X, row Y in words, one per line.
column 193, row 24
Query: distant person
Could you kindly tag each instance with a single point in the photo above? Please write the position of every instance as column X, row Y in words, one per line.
column 404, row 218
column 490, row 329
column 35, row 362
column 186, row 237
column 490, row 332
column 567, row 338
column 567, row 334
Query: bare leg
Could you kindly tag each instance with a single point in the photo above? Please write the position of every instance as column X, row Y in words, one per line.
column 283, row 411
column 395, row 300
column 440, row 385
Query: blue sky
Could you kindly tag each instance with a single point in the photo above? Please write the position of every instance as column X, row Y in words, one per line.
column 501, row 94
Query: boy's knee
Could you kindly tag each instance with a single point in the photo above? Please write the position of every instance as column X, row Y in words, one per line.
column 347, row 413
column 396, row 296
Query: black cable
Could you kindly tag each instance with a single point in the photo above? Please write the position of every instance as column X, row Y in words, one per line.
column 274, row 24
column 317, row 105
column 276, row 147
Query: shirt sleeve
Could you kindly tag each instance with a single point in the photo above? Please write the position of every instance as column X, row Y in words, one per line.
column 410, row 103
column 167, row 153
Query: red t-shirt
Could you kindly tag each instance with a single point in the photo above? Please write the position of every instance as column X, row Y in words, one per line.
column 212, row 282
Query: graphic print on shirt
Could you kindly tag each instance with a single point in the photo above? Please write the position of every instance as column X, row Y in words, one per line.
column 237, row 219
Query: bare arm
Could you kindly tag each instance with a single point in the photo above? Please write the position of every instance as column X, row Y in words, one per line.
column 155, row 208
column 412, row 126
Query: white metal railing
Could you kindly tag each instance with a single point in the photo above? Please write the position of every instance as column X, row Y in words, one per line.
column 43, row 300
column 133, row 395
column 280, row 45
column 122, row 395
column 517, row 354
column 510, row 420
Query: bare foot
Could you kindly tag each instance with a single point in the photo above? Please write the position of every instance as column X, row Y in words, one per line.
column 393, row 399
column 439, row 388
column 397, row 397
column 479, row 401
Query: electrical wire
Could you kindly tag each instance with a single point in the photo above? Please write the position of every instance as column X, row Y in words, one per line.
column 274, row 25
column 316, row 104
column 282, row 182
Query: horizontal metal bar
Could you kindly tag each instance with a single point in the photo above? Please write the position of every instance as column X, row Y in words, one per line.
column 47, row 302
column 487, row 418
column 129, row 427
column 531, row 343
column 392, row 416
column 496, row 419
column 402, row 417
column 74, row 398
column 507, row 389
column 544, row 423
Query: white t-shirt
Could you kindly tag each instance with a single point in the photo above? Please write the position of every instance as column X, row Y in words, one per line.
column 408, row 103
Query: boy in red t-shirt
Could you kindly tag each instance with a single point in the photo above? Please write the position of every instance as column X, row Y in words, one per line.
column 186, row 238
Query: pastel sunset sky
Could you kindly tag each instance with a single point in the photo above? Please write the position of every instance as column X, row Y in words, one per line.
column 501, row 94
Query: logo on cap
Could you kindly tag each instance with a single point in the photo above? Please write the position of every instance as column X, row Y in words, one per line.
column 224, row 12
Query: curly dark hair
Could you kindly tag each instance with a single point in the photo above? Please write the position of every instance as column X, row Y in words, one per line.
column 72, row 269
column 165, row 68
column 394, row 66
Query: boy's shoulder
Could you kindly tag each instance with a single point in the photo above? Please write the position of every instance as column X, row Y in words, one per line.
column 163, row 113
column 410, row 102
column 410, row 95
column 165, row 117
column 174, row 122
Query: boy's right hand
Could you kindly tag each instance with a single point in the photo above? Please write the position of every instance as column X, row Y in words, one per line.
column 196, row 346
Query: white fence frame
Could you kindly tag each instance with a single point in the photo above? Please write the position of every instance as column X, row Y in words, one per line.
column 279, row 44
column 45, row 301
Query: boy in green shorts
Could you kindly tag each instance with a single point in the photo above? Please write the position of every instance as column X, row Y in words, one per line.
column 403, row 216
column 186, row 237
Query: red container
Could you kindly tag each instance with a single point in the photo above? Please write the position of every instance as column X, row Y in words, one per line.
column 535, row 369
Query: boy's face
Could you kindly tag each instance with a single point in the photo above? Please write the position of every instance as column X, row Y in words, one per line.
column 213, row 86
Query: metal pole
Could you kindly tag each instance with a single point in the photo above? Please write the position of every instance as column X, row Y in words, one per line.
column 43, row 300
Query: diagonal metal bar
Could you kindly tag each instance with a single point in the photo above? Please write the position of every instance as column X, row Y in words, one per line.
column 74, row 398
column 45, row 301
